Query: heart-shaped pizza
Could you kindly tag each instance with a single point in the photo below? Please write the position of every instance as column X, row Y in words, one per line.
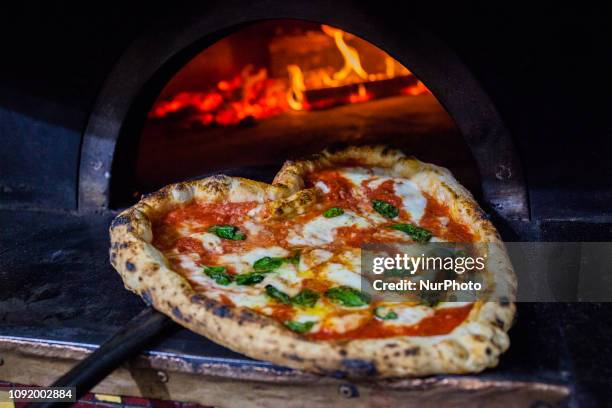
column 275, row 271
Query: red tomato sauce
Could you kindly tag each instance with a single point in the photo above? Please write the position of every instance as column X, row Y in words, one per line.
column 385, row 192
column 281, row 312
column 442, row 322
column 208, row 213
column 318, row 285
column 341, row 189
column 453, row 231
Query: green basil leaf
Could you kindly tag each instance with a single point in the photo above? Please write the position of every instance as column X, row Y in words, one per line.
column 390, row 315
column 420, row 235
column 277, row 295
column 306, row 298
column 227, row 232
column 247, row 279
column 347, row 296
column 386, row 209
column 267, row 264
column 295, row 258
column 333, row 212
column 218, row 274
column 299, row 327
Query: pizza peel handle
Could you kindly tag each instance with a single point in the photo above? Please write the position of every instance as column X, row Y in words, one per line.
column 130, row 339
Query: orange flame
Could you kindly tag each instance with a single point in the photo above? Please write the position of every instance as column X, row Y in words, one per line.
column 253, row 94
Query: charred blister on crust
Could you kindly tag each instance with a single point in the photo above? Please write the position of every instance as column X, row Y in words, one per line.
column 499, row 323
column 412, row 351
column 119, row 220
column 359, row 368
column 215, row 307
column 222, row 311
column 130, row 266
column 391, row 345
column 176, row 312
column 146, row 296
column 293, row 357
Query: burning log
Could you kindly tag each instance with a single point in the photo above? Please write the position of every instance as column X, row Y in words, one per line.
column 359, row 92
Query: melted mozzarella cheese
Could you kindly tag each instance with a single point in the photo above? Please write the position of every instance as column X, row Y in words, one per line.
column 284, row 279
column 412, row 199
column 188, row 264
column 252, row 228
column 347, row 322
column 321, row 230
column 210, row 242
column 448, row 305
column 246, row 298
column 357, row 175
column 243, row 263
column 312, row 259
column 409, row 315
column 342, row 275
column 322, row 186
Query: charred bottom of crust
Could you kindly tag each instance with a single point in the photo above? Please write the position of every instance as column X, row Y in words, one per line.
column 356, row 367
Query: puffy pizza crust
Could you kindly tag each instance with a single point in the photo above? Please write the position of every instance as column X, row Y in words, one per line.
column 471, row 347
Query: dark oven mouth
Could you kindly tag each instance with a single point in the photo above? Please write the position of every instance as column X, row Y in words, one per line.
column 268, row 91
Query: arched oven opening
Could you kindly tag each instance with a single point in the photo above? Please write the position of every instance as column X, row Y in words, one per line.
column 280, row 89
column 243, row 99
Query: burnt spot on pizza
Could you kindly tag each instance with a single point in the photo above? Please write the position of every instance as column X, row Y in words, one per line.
column 176, row 312
column 293, row 357
column 198, row 299
column 488, row 351
column 357, row 367
column 130, row 266
column 251, row 317
column 157, row 195
column 391, row 345
column 222, row 311
column 498, row 322
column 479, row 338
column 342, row 352
column 412, row 351
column 146, row 296
column 119, row 220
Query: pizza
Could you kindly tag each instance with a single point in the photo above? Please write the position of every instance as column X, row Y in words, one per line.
column 273, row 270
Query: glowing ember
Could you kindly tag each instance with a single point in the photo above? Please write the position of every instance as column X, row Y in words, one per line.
column 252, row 94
